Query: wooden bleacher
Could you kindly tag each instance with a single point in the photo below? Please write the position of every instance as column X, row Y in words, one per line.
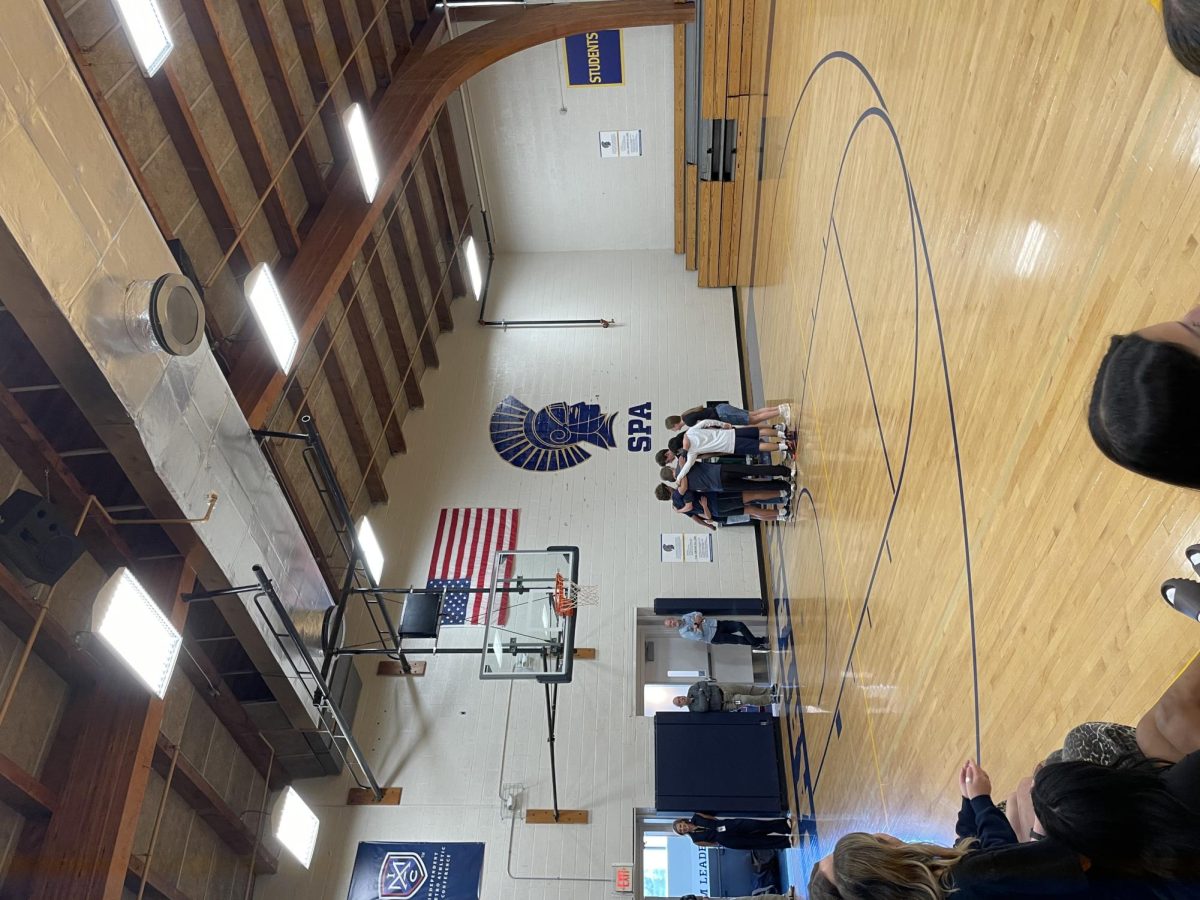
column 709, row 215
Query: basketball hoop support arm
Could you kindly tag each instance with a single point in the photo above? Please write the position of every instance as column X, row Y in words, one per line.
column 321, row 697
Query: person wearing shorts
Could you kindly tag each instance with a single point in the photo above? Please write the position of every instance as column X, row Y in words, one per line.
column 712, row 437
column 732, row 415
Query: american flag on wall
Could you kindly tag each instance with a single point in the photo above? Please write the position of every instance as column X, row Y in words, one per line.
column 467, row 541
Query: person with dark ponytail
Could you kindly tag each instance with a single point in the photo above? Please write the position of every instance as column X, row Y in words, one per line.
column 1137, row 822
column 1142, row 414
column 1181, row 20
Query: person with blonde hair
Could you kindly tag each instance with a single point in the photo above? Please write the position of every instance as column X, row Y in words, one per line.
column 987, row 862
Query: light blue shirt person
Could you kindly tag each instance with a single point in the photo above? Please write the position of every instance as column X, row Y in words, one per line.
column 695, row 627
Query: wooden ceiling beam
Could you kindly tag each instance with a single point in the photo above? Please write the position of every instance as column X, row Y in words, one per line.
column 219, row 697
column 457, row 284
column 490, row 13
column 376, row 380
column 33, row 454
column 412, row 289
column 24, row 793
column 430, row 258
column 304, row 32
column 218, row 61
column 404, row 116
column 356, row 432
column 419, row 9
column 459, row 205
column 277, row 457
column 343, row 42
column 398, row 25
column 24, row 442
column 86, row 73
column 156, row 887
column 54, row 646
column 283, row 99
column 376, row 52
column 89, row 841
column 204, row 799
column 171, row 101
column 385, row 297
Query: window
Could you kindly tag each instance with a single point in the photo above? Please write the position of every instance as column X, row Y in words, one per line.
column 654, row 866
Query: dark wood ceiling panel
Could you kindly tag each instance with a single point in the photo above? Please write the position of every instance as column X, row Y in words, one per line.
column 20, row 364
column 425, row 230
column 450, row 261
column 170, row 97
column 304, row 35
column 385, row 298
column 448, row 164
column 361, row 89
column 215, row 50
column 269, row 52
column 368, row 20
column 376, row 378
column 407, row 261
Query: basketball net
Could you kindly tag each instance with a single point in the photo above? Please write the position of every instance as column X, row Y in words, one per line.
column 569, row 596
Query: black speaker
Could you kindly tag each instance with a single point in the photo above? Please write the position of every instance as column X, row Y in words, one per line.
column 35, row 540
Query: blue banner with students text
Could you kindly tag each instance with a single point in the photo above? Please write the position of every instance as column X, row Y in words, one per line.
column 432, row 871
column 594, row 59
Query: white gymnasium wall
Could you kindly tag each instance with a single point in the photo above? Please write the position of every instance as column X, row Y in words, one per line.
column 443, row 737
column 548, row 189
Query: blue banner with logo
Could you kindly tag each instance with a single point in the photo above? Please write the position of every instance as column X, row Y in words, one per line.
column 594, row 58
column 434, row 871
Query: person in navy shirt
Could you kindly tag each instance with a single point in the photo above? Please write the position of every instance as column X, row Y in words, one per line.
column 736, row 834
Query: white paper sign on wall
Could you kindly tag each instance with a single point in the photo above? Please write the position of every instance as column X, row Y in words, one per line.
column 698, row 548
column 620, row 143
column 671, row 547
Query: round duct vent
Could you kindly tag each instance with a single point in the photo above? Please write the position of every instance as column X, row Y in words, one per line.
column 167, row 312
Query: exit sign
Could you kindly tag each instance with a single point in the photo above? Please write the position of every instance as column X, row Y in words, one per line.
column 623, row 879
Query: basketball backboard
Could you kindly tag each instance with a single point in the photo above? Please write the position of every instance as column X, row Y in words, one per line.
column 524, row 636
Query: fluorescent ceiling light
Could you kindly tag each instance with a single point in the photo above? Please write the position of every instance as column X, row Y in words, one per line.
column 297, row 828
column 360, row 145
column 132, row 624
column 147, row 31
column 272, row 315
column 473, row 266
column 372, row 552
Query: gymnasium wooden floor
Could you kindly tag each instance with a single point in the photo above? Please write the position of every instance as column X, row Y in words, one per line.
column 960, row 203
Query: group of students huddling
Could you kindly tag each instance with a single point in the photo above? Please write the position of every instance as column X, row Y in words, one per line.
column 712, row 470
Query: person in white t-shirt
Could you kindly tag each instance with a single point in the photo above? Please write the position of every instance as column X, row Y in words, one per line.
column 712, row 436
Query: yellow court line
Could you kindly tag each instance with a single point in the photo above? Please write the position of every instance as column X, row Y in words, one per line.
column 850, row 618
column 1179, row 674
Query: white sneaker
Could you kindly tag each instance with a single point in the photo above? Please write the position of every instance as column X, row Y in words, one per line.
column 785, row 410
